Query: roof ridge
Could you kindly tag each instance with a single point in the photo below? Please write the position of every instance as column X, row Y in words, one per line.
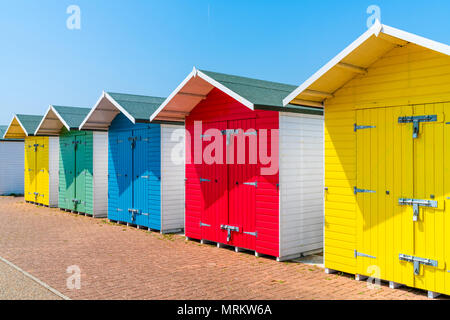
column 134, row 95
column 252, row 79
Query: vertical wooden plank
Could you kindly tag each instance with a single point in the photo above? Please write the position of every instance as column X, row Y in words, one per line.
column 438, row 236
column 374, row 172
column 381, row 192
column 390, row 198
column 360, row 199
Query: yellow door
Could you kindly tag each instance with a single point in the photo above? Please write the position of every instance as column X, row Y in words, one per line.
column 30, row 170
column 384, row 172
column 429, row 187
column 43, row 182
column 400, row 195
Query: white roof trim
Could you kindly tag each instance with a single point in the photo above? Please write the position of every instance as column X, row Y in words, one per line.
column 114, row 102
column 20, row 123
column 194, row 73
column 51, row 108
column 376, row 29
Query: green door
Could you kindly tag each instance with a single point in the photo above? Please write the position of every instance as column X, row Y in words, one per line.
column 67, row 167
column 81, row 173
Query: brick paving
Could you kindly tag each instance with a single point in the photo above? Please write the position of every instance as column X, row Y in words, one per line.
column 119, row 262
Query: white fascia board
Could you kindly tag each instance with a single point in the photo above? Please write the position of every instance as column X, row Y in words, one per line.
column 120, row 108
column 211, row 81
column 92, row 111
column 173, row 94
column 50, row 108
column 105, row 95
column 43, row 119
column 420, row 41
column 10, row 124
column 21, row 125
column 221, row 87
column 375, row 29
column 60, row 118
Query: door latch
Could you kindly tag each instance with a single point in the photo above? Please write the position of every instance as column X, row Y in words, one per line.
column 417, row 262
column 229, row 230
column 416, row 203
column 356, row 127
column 356, row 190
column 416, row 120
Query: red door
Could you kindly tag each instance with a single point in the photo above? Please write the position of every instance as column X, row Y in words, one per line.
column 213, row 182
column 242, row 148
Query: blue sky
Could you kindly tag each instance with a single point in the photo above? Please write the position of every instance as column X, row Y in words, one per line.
column 148, row 47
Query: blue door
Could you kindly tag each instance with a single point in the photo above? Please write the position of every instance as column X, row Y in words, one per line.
column 120, row 176
column 140, row 177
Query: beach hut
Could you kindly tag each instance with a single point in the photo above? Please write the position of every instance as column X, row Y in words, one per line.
column 253, row 167
column 145, row 179
column 11, row 170
column 83, row 161
column 387, row 151
column 41, row 160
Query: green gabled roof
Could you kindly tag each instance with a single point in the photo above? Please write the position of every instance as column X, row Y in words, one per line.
column 29, row 122
column 258, row 92
column 73, row 116
column 139, row 107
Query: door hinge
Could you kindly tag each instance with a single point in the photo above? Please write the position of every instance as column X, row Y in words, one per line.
column 255, row 234
column 417, row 262
column 356, row 127
column 416, row 203
column 204, row 180
column 255, row 184
column 416, row 120
column 359, row 254
column 356, row 190
column 120, row 210
column 204, row 225
column 229, row 230
column 205, row 136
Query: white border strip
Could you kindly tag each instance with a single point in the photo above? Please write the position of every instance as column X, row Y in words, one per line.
column 10, row 124
column 51, row 108
column 194, row 73
column 374, row 30
column 43, row 284
column 105, row 95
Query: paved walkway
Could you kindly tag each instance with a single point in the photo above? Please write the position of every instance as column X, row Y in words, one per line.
column 14, row 285
column 119, row 262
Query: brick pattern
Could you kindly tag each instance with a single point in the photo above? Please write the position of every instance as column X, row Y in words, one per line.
column 119, row 262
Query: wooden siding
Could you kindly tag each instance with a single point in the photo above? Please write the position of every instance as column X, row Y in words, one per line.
column 407, row 75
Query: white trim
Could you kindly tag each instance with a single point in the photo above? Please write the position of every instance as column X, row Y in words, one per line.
column 376, row 29
column 194, row 73
column 105, row 95
column 51, row 108
column 20, row 123
column 173, row 94
column 92, row 111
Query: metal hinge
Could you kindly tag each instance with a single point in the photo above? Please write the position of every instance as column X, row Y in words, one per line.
column 145, row 177
column 120, row 210
column 255, row 184
column 356, row 127
column 359, row 254
column 204, row 225
column 416, row 120
column 205, row 136
column 356, row 190
column 255, row 234
column 416, row 203
column 204, row 180
column 417, row 262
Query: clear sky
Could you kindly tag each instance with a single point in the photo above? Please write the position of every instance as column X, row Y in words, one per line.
column 148, row 47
